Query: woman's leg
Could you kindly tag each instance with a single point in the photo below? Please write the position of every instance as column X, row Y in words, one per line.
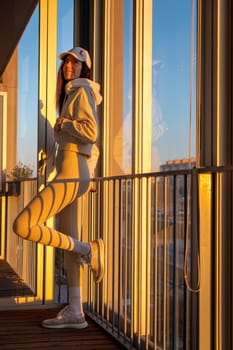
column 71, row 183
column 70, row 222
column 30, row 224
column 72, row 316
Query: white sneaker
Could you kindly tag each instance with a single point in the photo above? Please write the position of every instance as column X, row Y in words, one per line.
column 66, row 318
column 96, row 259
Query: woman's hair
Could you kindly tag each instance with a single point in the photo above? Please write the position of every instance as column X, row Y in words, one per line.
column 61, row 82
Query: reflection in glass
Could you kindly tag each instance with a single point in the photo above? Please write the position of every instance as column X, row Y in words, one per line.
column 65, row 25
column 120, row 94
column 171, row 81
column 127, row 91
column 28, row 53
column 171, row 111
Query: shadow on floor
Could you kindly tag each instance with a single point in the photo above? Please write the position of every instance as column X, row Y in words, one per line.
column 10, row 283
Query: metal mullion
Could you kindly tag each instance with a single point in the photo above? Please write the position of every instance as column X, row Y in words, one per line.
column 142, row 93
column 134, row 327
column 186, row 230
column 160, row 184
column 139, row 261
column 155, row 264
column 107, row 68
column 148, row 255
column 47, row 86
column 119, row 256
column 96, row 233
column 100, row 229
column 174, row 261
column 107, row 245
column 93, row 230
column 90, row 289
column 126, row 260
column 165, row 273
column 113, row 256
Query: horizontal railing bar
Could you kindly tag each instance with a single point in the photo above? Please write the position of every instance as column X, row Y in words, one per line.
column 210, row 169
column 177, row 172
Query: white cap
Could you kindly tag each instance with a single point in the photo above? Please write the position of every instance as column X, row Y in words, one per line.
column 79, row 53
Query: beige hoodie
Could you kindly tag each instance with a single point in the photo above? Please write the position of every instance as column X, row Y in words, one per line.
column 79, row 129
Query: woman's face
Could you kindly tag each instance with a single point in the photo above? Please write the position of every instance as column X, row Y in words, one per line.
column 72, row 68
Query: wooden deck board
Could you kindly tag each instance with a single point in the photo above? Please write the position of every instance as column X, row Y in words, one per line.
column 21, row 329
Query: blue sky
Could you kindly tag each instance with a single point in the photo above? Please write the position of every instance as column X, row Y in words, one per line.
column 171, row 78
column 170, row 87
column 170, row 81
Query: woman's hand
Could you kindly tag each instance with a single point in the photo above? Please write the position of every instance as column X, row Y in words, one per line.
column 58, row 124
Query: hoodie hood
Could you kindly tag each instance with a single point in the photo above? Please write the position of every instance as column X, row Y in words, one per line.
column 72, row 85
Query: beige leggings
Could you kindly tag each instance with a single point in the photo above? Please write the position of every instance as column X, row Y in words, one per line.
column 61, row 193
column 59, row 196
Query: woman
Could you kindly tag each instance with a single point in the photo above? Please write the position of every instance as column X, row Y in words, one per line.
column 75, row 132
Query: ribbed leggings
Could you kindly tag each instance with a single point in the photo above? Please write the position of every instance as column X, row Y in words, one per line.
column 59, row 196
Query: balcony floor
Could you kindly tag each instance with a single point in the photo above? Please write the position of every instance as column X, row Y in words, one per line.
column 10, row 283
column 21, row 329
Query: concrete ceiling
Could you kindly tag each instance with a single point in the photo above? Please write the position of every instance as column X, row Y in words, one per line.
column 14, row 16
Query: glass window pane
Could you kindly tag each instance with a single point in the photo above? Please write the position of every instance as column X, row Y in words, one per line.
column 120, row 96
column 173, row 144
column 171, row 81
column 127, row 89
column 28, row 54
column 65, row 25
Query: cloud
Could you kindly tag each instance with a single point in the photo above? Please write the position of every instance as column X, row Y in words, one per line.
column 158, row 125
column 155, row 62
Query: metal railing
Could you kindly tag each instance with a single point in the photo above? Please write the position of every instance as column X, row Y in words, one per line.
column 149, row 297
column 145, row 221
column 19, row 253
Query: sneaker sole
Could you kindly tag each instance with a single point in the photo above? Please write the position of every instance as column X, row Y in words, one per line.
column 68, row 325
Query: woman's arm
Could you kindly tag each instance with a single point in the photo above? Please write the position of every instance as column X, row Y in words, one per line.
column 83, row 126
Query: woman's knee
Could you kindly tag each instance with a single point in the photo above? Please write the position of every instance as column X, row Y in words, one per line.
column 20, row 226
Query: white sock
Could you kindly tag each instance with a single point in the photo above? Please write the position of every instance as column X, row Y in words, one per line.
column 81, row 247
column 75, row 300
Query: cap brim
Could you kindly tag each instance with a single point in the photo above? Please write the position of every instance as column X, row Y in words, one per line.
column 80, row 58
column 64, row 54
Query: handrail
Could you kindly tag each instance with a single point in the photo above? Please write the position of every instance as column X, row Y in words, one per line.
column 151, row 237
column 12, row 187
column 144, row 220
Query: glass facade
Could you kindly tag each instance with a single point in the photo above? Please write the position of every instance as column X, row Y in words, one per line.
column 173, row 148
column 27, row 121
column 127, row 88
column 118, row 82
column 65, row 26
column 28, row 79
column 173, row 98
column 171, row 74
column 171, row 85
